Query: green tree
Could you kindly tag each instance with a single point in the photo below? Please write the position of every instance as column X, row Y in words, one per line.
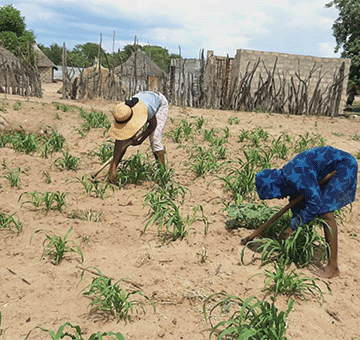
column 346, row 30
column 13, row 35
column 54, row 52
column 11, row 20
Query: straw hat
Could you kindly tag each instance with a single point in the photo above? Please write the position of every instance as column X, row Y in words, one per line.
column 128, row 121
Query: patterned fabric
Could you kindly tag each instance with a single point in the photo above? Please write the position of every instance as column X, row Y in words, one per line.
column 301, row 176
column 161, row 118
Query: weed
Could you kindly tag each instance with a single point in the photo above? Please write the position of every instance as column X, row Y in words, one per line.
column 253, row 215
column 280, row 282
column 8, row 222
column 48, row 200
column 56, row 247
column 67, row 162
column 249, row 319
column 76, row 333
column 17, row 105
column 109, row 298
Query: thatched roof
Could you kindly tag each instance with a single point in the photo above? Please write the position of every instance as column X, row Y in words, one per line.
column 7, row 57
column 43, row 60
column 144, row 66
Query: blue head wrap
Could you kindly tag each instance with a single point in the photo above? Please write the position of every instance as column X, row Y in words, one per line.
column 269, row 183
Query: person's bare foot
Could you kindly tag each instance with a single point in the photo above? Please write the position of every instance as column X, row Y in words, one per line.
column 328, row 272
column 113, row 179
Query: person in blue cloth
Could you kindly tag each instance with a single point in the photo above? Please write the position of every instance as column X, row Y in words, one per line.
column 146, row 110
column 301, row 176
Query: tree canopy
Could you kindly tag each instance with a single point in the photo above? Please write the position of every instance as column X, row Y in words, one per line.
column 346, row 30
column 84, row 55
column 13, row 35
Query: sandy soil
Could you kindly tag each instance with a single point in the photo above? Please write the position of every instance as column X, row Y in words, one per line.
column 34, row 292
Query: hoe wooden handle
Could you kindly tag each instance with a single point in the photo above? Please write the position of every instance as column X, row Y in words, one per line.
column 281, row 212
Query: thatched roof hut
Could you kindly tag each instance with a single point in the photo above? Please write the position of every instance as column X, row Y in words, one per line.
column 45, row 66
column 140, row 73
column 17, row 77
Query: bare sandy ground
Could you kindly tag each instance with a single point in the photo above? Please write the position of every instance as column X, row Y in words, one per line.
column 178, row 275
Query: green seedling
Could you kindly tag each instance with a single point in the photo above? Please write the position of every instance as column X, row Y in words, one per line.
column 67, row 162
column 280, row 282
column 76, row 333
column 22, row 142
column 13, row 176
column 8, row 222
column 17, row 105
column 306, row 141
column 200, row 121
column 300, row 248
column 105, row 152
column 109, row 298
column 245, row 319
column 233, row 120
column 94, row 119
column 57, row 247
column 48, row 200
column 93, row 187
column 166, row 213
column 53, row 143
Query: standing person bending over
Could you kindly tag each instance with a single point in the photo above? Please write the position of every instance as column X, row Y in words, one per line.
column 146, row 107
column 301, row 176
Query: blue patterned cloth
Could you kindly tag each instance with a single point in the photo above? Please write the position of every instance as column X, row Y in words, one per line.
column 301, row 176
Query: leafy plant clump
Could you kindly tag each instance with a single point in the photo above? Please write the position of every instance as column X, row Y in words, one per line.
column 48, row 200
column 253, row 215
column 245, row 319
column 110, row 298
column 57, row 247
column 301, row 248
column 67, row 162
column 8, row 222
column 280, row 282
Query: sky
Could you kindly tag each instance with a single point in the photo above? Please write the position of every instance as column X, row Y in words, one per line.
column 185, row 27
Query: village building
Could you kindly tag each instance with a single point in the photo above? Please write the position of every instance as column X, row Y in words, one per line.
column 140, row 73
column 45, row 66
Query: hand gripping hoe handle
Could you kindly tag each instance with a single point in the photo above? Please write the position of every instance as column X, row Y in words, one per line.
column 281, row 212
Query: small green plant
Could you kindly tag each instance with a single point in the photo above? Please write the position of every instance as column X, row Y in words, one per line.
column 233, row 120
column 13, row 176
column 8, row 222
column 245, row 319
column 94, row 119
column 254, row 215
column 105, row 152
column 22, row 142
column 57, row 247
column 76, row 333
column 48, row 200
column 166, row 213
column 280, row 282
column 93, row 187
column 17, row 105
column 109, row 298
column 67, row 162
column 53, row 143
column 300, row 248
